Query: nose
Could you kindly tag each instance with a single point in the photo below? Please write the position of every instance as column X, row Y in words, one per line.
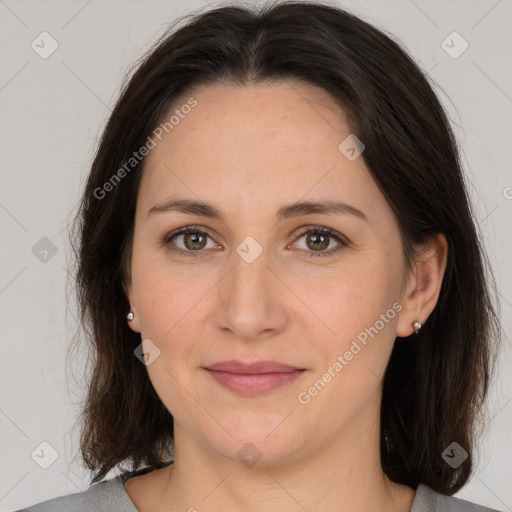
column 252, row 300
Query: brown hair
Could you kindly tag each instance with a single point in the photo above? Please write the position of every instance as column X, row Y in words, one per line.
column 435, row 385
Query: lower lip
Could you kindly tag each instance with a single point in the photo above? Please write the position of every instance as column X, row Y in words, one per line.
column 254, row 383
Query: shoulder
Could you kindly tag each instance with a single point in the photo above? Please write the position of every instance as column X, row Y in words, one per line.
column 428, row 500
column 105, row 495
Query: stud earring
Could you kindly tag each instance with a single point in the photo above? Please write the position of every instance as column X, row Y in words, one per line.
column 417, row 327
column 130, row 316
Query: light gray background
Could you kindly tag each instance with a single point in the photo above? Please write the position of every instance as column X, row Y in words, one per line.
column 54, row 109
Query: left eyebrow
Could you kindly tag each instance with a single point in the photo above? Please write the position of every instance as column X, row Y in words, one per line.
column 325, row 208
column 204, row 209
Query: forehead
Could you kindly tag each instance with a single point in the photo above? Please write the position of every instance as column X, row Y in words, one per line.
column 258, row 143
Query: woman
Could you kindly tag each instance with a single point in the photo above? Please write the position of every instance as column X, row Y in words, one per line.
column 281, row 277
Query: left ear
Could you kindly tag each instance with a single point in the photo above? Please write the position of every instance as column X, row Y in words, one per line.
column 424, row 284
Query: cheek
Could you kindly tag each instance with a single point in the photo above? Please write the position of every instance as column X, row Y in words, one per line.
column 168, row 310
column 164, row 295
column 353, row 360
column 359, row 312
column 352, row 297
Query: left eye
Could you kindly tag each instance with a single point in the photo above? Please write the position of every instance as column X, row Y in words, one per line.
column 318, row 240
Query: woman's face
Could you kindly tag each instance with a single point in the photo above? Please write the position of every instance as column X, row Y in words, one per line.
column 255, row 282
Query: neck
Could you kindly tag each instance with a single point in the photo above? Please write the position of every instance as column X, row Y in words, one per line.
column 344, row 476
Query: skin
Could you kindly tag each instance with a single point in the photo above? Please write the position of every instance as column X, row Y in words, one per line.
column 285, row 306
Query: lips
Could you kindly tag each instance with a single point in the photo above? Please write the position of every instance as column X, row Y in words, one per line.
column 253, row 378
column 242, row 368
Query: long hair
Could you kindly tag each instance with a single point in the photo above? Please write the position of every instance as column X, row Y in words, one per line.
column 435, row 385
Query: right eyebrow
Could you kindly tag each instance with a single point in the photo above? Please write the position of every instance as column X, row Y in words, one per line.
column 191, row 207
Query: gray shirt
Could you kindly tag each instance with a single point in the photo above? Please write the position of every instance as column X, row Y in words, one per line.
column 111, row 496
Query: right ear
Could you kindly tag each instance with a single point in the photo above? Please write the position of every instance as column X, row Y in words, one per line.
column 134, row 324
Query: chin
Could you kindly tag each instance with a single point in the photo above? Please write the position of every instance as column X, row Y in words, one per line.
column 259, row 442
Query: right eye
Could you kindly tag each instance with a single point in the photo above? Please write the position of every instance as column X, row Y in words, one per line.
column 188, row 240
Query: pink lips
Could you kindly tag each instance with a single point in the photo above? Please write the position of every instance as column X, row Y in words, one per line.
column 253, row 378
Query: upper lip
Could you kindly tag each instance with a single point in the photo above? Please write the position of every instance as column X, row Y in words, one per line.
column 248, row 368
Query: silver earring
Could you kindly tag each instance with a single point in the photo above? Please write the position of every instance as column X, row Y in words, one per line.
column 130, row 316
column 417, row 327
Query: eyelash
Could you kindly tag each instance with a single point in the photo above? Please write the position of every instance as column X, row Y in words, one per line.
column 317, row 230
